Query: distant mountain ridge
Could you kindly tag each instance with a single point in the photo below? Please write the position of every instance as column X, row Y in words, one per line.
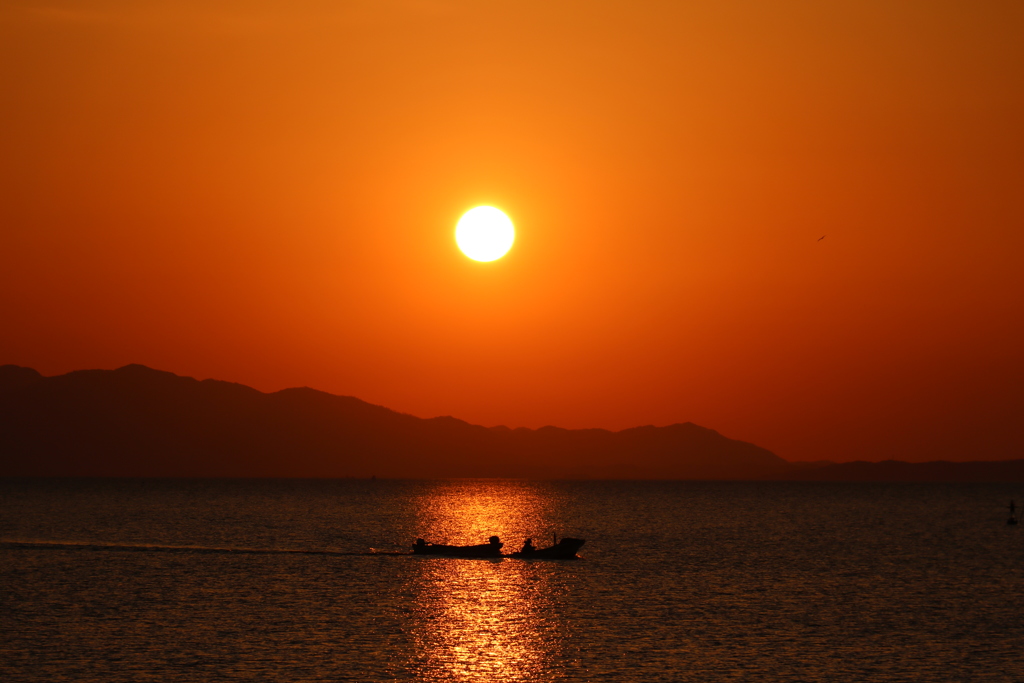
column 136, row 421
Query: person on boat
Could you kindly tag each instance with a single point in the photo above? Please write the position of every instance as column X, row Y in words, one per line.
column 419, row 545
column 528, row 547
column 496, row 542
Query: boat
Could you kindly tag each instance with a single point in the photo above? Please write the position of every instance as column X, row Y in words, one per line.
column 564, row 549
column 490, row 549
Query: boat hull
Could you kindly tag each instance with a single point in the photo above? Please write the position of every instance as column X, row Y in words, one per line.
column 565, row 549
column 440, row 550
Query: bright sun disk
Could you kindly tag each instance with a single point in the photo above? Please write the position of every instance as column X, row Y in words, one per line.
column 484, row 233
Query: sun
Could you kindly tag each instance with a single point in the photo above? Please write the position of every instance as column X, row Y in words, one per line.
column 484, row 233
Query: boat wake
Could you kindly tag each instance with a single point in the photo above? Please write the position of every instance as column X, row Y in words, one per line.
column 117, row 547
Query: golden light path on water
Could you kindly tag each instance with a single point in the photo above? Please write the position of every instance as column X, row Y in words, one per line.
column 487, row 620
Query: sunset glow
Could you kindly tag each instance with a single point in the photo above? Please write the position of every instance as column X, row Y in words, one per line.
column 457, row 341
column 267, row 194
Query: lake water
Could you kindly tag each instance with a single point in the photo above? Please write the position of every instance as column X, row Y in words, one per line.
column 128, row 580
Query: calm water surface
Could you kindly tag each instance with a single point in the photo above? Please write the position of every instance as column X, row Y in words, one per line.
column 127, row 580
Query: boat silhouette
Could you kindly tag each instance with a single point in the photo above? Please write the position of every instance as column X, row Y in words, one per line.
column 564, row 549
column 489, row 549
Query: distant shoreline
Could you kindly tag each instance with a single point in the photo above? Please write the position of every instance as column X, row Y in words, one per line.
column 136, row 422
column 858, row 472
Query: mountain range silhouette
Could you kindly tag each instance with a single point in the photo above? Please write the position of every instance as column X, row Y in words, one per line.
column 140, row 422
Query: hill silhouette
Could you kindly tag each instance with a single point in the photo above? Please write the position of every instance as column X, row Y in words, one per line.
column 136, row 421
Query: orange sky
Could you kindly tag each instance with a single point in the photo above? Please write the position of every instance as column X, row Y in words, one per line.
column 266, row 192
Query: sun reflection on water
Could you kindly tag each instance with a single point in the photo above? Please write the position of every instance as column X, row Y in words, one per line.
column 486, row 620
column 469, row 512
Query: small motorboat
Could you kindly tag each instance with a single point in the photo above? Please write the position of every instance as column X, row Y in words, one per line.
column 490, row 549
column 564, row 549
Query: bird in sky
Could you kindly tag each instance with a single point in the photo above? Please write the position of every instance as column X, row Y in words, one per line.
column 821, row 238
